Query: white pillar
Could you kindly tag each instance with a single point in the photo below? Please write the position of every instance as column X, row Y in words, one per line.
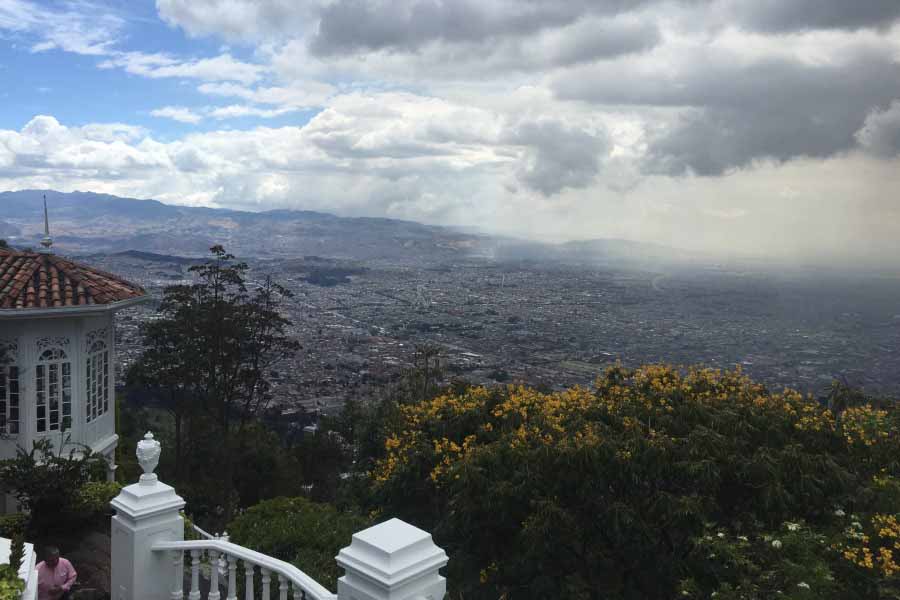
column 147, row 513
column 392, row 561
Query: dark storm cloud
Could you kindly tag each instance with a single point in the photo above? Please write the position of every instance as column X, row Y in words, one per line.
column 559, row 156
column 777, row 108
column 604, row 41
column 405, row 25
column 793, row 15
column 353, row 25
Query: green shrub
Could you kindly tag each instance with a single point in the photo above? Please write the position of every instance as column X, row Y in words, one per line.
column 47, row 483
column 94, row 497
column 656, row 484
column 304, row 533
column 189, row 532
column 10, row 585
column 13, row 525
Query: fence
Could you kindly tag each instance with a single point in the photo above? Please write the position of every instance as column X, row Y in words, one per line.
column 390, row 561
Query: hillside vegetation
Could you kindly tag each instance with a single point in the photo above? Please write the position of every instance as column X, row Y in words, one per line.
column 655, row 484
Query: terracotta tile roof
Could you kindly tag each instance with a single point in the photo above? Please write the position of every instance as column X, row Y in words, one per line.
column 36, row 280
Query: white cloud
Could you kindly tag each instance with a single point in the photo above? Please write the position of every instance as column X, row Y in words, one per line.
column 238, row 19
column 242, row 110
column 427, row 159
column 156, row 66
column 880, row 134
column 177, row 113
column 81, row 27
column 299, row 95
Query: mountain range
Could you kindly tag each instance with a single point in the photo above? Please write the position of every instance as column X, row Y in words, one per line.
column 86, row 222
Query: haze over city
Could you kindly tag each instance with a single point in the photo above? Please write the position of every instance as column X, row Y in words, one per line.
column 739, row 128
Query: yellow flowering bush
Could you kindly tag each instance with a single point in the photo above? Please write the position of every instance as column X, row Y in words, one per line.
column 612, row 491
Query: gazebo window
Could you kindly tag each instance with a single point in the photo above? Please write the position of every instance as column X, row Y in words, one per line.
column 53, row 384
column 9, row 399
column 97, row 381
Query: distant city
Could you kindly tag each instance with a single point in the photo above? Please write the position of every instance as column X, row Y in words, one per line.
column 555, row 326
column 368, row 292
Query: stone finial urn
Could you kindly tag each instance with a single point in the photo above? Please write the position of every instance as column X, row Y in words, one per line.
column 148, row 451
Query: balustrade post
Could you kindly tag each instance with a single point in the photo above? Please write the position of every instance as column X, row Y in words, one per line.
column 248, row 580
column 282, row 587
column 147, row 512
column 266, row 583
column 195, row 575
column 392, row 561
column 213, row 576
column 232, row 578
column 178, row 584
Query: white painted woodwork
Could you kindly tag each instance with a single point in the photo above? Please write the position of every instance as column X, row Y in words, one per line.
column 390, row 561
column 146, row 513
column 72, row 333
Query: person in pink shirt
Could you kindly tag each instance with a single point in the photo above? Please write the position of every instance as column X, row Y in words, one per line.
column 55, row 576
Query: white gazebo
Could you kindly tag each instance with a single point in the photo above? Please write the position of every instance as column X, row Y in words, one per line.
column 57, row 330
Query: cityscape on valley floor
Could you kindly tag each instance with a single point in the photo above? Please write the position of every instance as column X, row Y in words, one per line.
column 554, row 326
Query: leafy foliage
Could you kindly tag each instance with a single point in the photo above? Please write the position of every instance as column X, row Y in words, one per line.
column 94, row 497
column 209, row 358
column 13, row 524
column 48, row 484
column 655, row 484
column 304, row 533
column 11, row 586
column 17, row 550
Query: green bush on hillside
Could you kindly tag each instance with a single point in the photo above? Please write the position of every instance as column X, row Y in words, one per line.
column 655, row 484
column 306, row 534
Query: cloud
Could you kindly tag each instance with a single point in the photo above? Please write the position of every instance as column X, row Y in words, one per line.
column 729, row 110
column 157, row 66
column 44, row 145
column 238, row 19
column 299, row 95
column 177, row 113
column 353, row 25
column 781, row 16
column 78, row 27
column 431, row 160
column 559, row 156
column 242, row 110
column 880, row 134
column 337, row 26
column 590, row 40
column 395, row 137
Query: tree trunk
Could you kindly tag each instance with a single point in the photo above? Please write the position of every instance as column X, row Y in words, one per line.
column 178, row 467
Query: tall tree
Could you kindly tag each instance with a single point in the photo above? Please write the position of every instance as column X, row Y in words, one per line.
column 161, row 368
column 213, row 351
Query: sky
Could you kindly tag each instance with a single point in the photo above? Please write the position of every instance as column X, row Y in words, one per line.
column 765, row 128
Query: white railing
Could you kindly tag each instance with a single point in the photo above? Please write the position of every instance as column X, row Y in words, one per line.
column 275, row 575
column 208, row 536
column 389, row 561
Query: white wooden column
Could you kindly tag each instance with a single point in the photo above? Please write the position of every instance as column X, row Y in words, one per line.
column 147, row 512
column 392, row 561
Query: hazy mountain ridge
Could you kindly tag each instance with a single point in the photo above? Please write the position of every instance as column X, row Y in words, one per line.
column 85, row 222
